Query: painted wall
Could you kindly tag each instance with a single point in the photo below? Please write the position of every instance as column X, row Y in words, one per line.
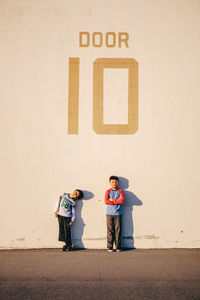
column 158, row 164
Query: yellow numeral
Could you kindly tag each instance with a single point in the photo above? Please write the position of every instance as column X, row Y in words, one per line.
column 98, row 67
column 73, row 95
column 132, row 66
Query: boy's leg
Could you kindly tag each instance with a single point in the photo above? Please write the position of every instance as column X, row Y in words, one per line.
column 68, row 233
column 61, row 223
column 117, row 223
column 110, row 231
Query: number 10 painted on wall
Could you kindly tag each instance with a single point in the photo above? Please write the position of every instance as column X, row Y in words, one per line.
column 98, row 67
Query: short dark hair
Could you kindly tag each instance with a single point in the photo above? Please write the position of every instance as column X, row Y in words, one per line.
column 81, row 195
column 113, row 178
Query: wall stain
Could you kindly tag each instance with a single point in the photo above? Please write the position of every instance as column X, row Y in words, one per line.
column 20, row 239
column 95, row 239
column 148, row 237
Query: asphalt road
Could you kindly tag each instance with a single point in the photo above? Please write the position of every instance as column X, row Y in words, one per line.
column 97, row 274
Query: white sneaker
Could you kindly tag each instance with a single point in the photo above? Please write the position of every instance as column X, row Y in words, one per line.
column 110, row 249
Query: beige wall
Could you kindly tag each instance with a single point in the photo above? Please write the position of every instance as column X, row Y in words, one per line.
column 159, row 164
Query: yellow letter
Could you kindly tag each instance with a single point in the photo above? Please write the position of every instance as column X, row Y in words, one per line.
column 107, row 39
column 73, row 95
column 98, row 67
column 125, row 39
column 81, row 44
column 100, row 39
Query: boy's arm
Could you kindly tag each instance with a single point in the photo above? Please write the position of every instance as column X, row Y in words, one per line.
column 106, row 199
column 57, row 206
column 73, row 215
column 119, row 200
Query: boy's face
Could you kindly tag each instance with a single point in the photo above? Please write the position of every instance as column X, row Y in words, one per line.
column 114, row 184
column 75, row 194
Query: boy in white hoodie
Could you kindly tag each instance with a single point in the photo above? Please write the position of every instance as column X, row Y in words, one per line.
column 65, row 212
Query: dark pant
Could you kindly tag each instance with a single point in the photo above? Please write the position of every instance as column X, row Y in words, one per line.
column 113, row 231
column 64, row 230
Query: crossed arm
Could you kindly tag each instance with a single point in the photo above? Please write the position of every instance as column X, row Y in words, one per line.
column 110, row 201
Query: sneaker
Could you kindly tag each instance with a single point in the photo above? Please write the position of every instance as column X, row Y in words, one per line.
column 110, row 249
column 64, row 248
column 119, row 250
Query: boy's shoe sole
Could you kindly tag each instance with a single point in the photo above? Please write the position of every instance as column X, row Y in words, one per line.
column 110, row 250
column 119, row 250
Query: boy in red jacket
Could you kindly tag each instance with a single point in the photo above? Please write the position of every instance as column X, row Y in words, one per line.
column 114, row 198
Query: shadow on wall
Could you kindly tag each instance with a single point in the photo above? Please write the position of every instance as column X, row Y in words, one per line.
column 131, row 200
column 78, row 226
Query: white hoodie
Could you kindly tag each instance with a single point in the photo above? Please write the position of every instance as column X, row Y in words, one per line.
column 66, row 207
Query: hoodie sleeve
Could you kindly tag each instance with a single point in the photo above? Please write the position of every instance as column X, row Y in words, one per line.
column 73, row 203
column 73, row 216
column 106, row 199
